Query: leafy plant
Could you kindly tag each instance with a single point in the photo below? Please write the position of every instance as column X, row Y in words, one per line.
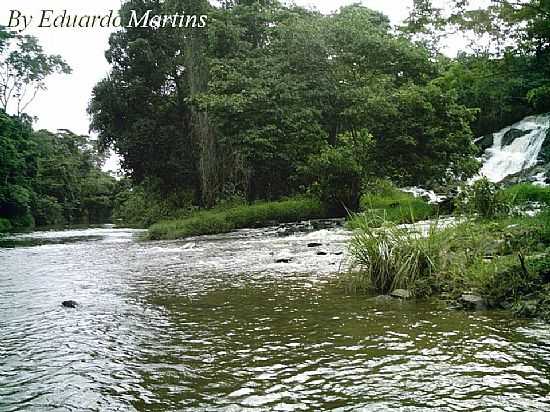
column 483, row 199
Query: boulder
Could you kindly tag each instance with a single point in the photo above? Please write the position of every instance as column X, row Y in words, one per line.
column 401, row 294
column 471, row 301
column 512, row 135
column 69, row 304
column 485, row 142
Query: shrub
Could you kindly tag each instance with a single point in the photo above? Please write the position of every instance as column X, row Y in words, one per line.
column 483, row 199
column 392, row 257
column 336, row 173
column 5, row 225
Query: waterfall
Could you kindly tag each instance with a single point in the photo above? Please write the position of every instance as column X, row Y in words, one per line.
column 515, row 148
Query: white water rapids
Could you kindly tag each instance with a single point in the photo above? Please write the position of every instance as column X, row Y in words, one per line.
column 522, row 153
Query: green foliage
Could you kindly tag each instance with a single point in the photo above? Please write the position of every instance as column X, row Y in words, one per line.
column 383, row 202
column 522, row 193
column 5, row 225
column 143, row 205
column 483, row 199
column 266, row 91
column 50, row 178
column 225, row 220
column 24, row 67
column 336, row 173
column 506, row 74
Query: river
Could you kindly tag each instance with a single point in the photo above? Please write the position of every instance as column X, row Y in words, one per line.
column 250, row 321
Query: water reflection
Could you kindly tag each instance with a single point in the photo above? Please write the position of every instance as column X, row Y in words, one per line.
column 213, row 323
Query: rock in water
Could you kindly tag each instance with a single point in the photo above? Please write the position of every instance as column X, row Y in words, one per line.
column 69, row 304
column 512, row 135
column 322, row 253
column 314, row 244
column 471, row 301
column 401, row 294
column 283, row 260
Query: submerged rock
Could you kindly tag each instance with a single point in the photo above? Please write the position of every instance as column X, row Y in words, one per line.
column 401, row 294
column 69, row 304
column 471, row 301
column 314, row 244
column 283, row 260
column 322, row 253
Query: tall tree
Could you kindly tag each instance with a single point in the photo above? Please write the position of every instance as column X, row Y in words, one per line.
column 24, row 68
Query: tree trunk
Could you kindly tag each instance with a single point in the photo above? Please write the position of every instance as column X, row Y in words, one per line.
column 203, row 133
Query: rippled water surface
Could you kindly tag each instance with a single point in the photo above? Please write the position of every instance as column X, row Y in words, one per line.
column 215, row 323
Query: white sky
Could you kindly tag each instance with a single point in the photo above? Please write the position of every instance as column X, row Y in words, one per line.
column 64, row 104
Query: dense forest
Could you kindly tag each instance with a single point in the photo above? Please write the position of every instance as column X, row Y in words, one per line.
column 271, row 101
column 46, row 178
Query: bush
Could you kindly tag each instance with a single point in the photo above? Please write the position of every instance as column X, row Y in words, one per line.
column 47, row 211
column 5, row 225
column 142, row 207
column 483, row 199
column 336, row 173
column 392, row 258
column 228, row 219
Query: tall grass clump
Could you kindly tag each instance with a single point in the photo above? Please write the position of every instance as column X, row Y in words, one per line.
column 392, row 257
column 224, row 220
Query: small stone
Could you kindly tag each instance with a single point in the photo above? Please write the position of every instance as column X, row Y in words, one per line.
column 283, row 260
column 338, row 253
column 69, row 304
column 401, row 294
column 314, row 244
column 322, row 253
column 471, row 301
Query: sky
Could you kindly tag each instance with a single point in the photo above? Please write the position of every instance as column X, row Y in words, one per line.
column 63, row 104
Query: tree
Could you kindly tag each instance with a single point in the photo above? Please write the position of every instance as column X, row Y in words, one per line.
column 24, row 68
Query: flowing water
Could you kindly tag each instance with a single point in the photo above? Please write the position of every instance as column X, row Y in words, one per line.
column 216, row 324
column 521, row 153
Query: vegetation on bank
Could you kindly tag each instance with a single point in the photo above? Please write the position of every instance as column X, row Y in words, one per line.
column 505, row 258
column 46, row 178
column 50, row 178
column 383, row 202
column 221, row 220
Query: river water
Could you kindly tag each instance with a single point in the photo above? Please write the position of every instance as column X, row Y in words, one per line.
column 214, row 323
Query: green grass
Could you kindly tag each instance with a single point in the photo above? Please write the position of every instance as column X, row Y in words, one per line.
column 392, row 206
column 227, row 219
column 526, row 192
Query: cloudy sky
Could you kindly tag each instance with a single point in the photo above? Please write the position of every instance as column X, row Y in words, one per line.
column 64, row 104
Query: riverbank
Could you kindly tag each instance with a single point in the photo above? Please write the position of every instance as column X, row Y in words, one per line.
column 503, row 262
column 223, row 220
